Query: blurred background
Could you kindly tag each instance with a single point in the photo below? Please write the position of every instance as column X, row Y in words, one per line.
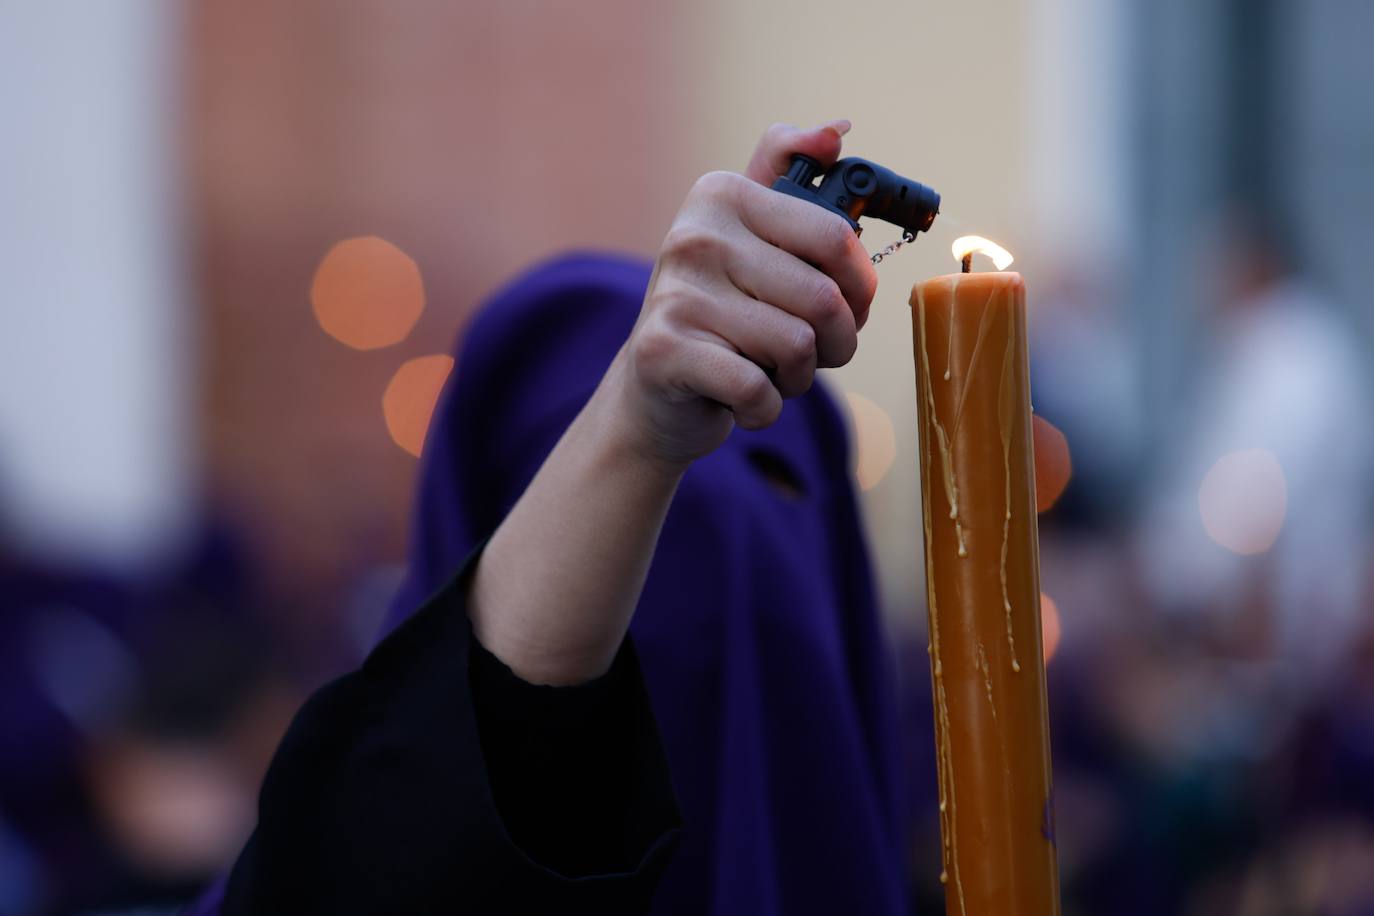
column 238, row 241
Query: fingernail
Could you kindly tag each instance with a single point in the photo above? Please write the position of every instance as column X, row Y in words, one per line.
column 840, row 127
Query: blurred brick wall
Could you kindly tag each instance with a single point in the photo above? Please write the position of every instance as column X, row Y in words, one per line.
column 475, row 137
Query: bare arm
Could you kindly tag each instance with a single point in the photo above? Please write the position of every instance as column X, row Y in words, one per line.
column 735, row 319
column 558, row 582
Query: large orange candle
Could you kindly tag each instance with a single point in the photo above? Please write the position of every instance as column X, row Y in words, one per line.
column 983, row 593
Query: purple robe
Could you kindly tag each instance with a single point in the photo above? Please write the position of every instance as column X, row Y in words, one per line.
column 758, row 630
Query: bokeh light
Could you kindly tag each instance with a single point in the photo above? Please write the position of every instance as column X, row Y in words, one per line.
column 1050, row 629
column 175, row 808
column 367, row 293
column 1243, row 500
column 1053, row 466
column 410, row 396
column 875, row 440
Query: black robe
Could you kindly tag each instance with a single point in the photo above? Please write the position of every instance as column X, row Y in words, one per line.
column 433, row 780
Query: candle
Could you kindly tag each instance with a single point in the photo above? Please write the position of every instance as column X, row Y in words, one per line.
column 983, row 594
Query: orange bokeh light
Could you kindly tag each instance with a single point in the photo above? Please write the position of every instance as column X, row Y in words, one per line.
column 367, row 293
column 1053, row 466
column 1243, row 500
column 409, row 400
column 1049, row 626
column 875, row 444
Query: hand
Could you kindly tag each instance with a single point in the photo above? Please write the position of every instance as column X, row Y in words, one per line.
column 752, row 291
column 735, row 319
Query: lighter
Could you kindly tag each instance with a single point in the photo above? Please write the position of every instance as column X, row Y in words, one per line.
column 855, row 187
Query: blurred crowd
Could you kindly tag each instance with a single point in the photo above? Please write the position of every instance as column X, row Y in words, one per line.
column 1212, row 699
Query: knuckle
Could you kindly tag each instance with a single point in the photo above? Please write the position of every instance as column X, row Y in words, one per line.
column 718, row 185
column 802, row 347
column 869, row 278
column 770, row 409
column 654, row 345
column 754, row 389
column 675, row 300
column 838, row 237
column 691, row 243
column 829, row 302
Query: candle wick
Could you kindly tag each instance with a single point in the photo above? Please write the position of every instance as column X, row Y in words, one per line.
column 966, row 263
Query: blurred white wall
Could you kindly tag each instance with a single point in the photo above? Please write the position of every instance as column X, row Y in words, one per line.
column 1078, row 160
column 1327, row 145
column 93, row 330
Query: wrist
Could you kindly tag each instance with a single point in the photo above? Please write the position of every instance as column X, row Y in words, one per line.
column 591, row 517
column 617, row 419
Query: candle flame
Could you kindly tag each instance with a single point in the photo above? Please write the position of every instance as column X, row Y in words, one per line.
column 976, row 244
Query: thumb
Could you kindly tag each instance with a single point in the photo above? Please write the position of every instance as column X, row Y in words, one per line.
column 782, row 141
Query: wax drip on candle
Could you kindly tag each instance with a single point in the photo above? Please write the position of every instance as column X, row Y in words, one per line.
column 949, row 829
column 949, row 349
column 1005, row 412
column 937, row 668
column 987, row 677
column 942, row 743
column 965, row 386
column 944, row 758
column 983, row 322
column 946, row 462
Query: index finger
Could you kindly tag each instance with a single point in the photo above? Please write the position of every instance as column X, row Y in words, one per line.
column 781, row 142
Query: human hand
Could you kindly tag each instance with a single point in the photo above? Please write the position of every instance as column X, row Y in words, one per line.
column 752, row 291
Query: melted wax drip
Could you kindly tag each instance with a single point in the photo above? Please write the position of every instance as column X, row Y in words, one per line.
column 987, row 678
column 1005, row 411
column 944, row 757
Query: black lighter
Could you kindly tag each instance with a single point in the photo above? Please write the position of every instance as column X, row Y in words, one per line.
column 855, row 187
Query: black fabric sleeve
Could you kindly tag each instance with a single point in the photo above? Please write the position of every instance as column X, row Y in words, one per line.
column 433, row 780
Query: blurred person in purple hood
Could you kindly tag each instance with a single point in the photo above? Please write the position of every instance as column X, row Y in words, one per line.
column 637, row 664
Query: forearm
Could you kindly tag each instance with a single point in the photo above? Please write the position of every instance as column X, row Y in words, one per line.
column 752, row 291
column 558, row 583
